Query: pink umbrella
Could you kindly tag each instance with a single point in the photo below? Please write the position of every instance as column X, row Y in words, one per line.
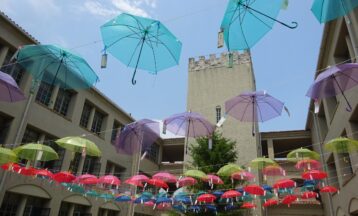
column 284, row 183
column 44, row 173
column 149, row 203
column 140, row 178
column 109, row 180
column 207, row 198
column 158, row 183
column 86, row 179
column 308, row 164
column 213, row 179
column 165, row 176
column 186, row 181
column 133, row 182
column 243, row 175
column 164, row 206
column 273, row 170
column 231, row 194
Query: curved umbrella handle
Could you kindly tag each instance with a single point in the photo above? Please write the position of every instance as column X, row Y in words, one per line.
column 133, row 77
column 293, row 26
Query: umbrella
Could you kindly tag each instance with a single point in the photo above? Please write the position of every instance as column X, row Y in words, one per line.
column 158, row 183
column 79, row 144
column 11, row 166
column 248, row 205
column 267, row 187
column 267, row 195
column 64, row 176
column 270, row 202
column 56, row 66
column 140, row 178
column 213, row 180
column 229, row 169
column 34, row 152
column 257, row 106
column 231, row 194
column 123, row 198
column 74, row 188
column 207, row 198
column 335, row 80
column 26, row 171
column 309, row 195
column 245, row 22
column 218, row 193
column 314, row 175
column 9, row 90
column 86, row 179
column 328, row 189
column 284, row 183
column 195, row 174
column 307, row 164
column 188, row 124
column 262, row 162
column 273, row 170
column 163, row 200
column 141, row 43
column 327, row 10
column 186, row 181
column 138, row 136
column 164, row 206
column 7, row 155
column 134, row 182
column 243, row 175
column 149, row 203
column 342, row 145
column 165, row 176
column 44, row 173
column 302, row 153
column 288, row 199
column 254, row 189
column 109, row 180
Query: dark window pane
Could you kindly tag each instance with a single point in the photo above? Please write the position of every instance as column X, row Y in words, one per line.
column 63, row 101
column 30, row 135
column 91, row 165
column 97, row 122
column 44, row 93
column 152, row 152
column 75, row 162
column 116, row 128
column 54, row 165
column 86, row 112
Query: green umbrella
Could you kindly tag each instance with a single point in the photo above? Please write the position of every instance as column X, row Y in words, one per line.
column 342, row 145
column 195, row 174
column 302, row 153
column 79, row 144
column 7, row 155
column 229, row 169
column 36, row 152
column 262, row 162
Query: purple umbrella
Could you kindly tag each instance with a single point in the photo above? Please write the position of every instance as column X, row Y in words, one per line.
column 188, row 124
column 139, row 135
column 9, row 91
column 254, row 107
column 333, row 81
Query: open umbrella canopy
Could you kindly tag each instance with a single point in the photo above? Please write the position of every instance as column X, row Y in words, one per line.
column 186, row 181
column 254, row 189
column 248, row 205
column 138, row 135
column 207, row 198
column 56, row 66
column 229, row 169
column 231, row 194
column 9, row 90
column 44, row 173
column 270, row 202
column 109, row 180
column 289, row 199
column 314, row 175
column 141, row 43
column 165, row 176
column 7, row 155
column 33, row 152
column 158, row 183
column 245, row 22
column 342, row 145
column 10, row 166
column 309, row 195
column 213, row 179
column 327, row 10
column 79, row 144
column 123, row 198
column 273, row 170
column 307, row 164
column 328, row 189
column 27, row 171
column 198, row 174
column 64, row 176
column 86, row 179
column 302, row 153
column 243, row 175
column 262, row 162
column 284, row 183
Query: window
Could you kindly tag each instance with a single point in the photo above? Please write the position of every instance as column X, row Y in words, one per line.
column 63, row 101
column 5, row 123
column 345, row 163
column 44, row 93
column 152, row 152
column 54, row 165
column 75, row 162
column 218, row 113
column 97, row 122
column 10, row 204
column 15, row 70
column 30, row 135
column 264, row 152
column 86, row 112
column 332, row 172
column 91, row 165
column 115, row 129
column 354, row 122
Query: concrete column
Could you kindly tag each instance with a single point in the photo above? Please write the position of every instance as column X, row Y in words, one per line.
column 53, row 96
column 22, row 205
column 71, row 210
column 270, row 149
column 80, row 165
column 90, row 120
column 3, row 53
column 105, row 212
column 113, row 169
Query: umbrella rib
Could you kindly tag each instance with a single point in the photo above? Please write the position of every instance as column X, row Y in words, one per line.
column 79, row 70
column 155, row 59
column 242, row 30
column 343, row 74
column 170, row 52
column 258, row 107
column 243, row 113
column 124, row 37
column 139, row 23
column 203, row 123
column 130, row 60
column 259, row 19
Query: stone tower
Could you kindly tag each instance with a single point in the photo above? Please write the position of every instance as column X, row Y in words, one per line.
column 213, row 81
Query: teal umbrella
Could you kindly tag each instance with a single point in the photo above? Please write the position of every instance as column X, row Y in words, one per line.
column 56, row 66
column 141, row 43
column 327, row 10
column 246, row 21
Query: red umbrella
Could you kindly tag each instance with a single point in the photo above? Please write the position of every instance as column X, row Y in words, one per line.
column 207, row 198
column 314, row 175
column 30, row 171
column 44, row 173
column 149, row 203
column 243, row 175
column 213, row 179
column 289, row 199
column 164, row 206
column 86, row 179
column 109, row 180
column 158, row 183
column 248, row 205
column 309, row 195
column 165, row 176
column 186, row 181
column 64, row 177
column 231, row 194
column 273, row 170
column 308, row 164
column 270, row 202
column 11, row 167
column 284, row 183
column 133, row 182
column 328, row 189
column 254, row 189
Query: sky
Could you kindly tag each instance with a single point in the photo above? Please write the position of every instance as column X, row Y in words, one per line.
column 284, row 60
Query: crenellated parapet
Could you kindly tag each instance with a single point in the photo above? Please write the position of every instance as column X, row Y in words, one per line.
column 218, row 61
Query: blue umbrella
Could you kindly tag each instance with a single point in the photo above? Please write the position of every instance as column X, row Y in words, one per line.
column 56, row 66
column 218, row 193
column 163, row 200
column 123, row 198
column 141, row 200
column 182, row 199
column 267, row 187
column 141, row 43
column 246, row 21
column 180, row 208
column 327, row 10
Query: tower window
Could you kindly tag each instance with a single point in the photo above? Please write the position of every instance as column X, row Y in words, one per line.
column 218, row 113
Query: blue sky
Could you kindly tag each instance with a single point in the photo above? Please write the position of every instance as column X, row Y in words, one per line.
column 284, row 60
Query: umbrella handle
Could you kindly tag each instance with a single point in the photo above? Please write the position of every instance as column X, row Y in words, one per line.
column 133, row 80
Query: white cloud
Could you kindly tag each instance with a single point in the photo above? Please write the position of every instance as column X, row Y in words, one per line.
column 96, row 8
column 48, row 7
